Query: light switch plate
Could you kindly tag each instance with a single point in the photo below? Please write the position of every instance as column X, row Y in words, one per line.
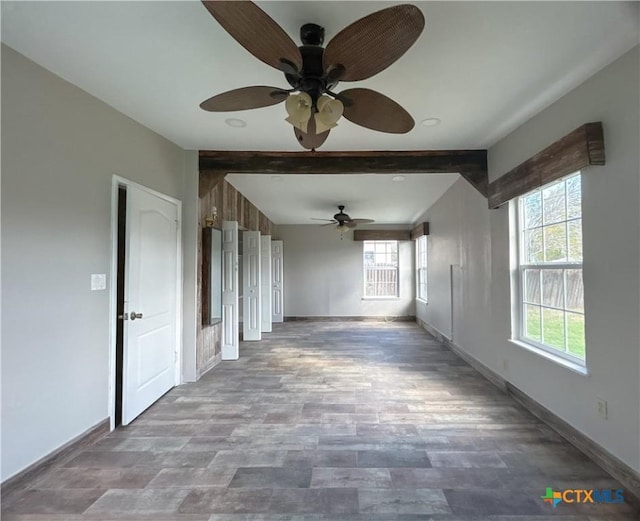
column 98, row 281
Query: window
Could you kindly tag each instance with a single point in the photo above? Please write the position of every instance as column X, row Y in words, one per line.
column 421, row 267
column 550, row 268
column 380, row 260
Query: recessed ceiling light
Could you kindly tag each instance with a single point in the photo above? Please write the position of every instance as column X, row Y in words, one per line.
column 398, row 178
column 430, row 122
column 235, row 122
column 276, row 178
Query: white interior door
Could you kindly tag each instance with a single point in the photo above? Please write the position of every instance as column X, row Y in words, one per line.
column 277, row 281
column 230, row 335
column 251, row 288
column 265, row 274
column 151, row 300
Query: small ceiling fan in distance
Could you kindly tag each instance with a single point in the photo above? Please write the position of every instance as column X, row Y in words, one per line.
column 342, row 221
column 356, row 53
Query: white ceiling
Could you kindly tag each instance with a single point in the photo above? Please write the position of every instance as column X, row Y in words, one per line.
column 299, row 198
column 483, row 68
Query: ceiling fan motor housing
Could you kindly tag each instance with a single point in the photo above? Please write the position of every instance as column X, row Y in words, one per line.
column 341, row 217
column 312, row 34
column 312, row 79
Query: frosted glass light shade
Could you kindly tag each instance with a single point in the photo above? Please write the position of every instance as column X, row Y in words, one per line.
column 329, row 112
column 298, row 107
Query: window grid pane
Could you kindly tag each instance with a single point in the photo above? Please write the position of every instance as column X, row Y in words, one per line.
column 380, row 260
column 551, row 287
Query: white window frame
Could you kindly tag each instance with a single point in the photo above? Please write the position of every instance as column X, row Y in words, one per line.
column 521, row 267
column 421, row 269
column 364, row 271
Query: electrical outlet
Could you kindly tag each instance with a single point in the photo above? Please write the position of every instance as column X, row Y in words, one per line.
column 505, row 364
column 602, row 408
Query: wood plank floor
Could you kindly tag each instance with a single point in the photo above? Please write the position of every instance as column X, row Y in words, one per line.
column 326, row 421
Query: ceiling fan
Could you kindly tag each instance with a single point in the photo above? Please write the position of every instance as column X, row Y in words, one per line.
column 356, row 53
column 342, row 221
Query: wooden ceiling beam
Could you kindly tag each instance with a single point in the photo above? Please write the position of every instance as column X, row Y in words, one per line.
column 470, row 164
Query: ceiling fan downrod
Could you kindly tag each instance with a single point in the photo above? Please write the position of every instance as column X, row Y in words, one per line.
column 313, row 79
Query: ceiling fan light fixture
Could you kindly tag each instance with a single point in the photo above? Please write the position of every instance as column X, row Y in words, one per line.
column 358, row 52
column 329, row 112
column 341, row 228
column 298, row 107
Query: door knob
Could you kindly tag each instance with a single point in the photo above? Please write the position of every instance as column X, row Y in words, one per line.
column 133, row 315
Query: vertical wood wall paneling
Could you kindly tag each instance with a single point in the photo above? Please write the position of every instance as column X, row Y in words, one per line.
column 205, row 273
column 239, row 209
column 264, row 225
column 205, row 343
column 231, row 206
column 229, row 203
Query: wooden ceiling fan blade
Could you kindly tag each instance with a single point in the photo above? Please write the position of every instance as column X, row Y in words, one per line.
column 244, row 99
column 256, row 31
column 376, row 111
column 351, row 224
column 329, row 220
column 362, row 221
column 310, row 140
column 374, row 42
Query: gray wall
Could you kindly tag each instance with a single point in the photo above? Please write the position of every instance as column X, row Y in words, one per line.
column 190, row 231
column 60, row 149
column 477, row 241
column 323, row 275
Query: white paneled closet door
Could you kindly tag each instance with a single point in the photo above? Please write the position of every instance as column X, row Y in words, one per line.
column 277, row 281
column 230, row 336
column 251, row 287
column 265, row 269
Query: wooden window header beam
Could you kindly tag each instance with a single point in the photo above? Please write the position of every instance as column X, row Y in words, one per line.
column 381, row 235
column 470, row 164
column 419, row 230
column 579, row 149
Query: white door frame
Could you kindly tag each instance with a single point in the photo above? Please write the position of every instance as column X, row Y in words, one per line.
column 116, row 182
